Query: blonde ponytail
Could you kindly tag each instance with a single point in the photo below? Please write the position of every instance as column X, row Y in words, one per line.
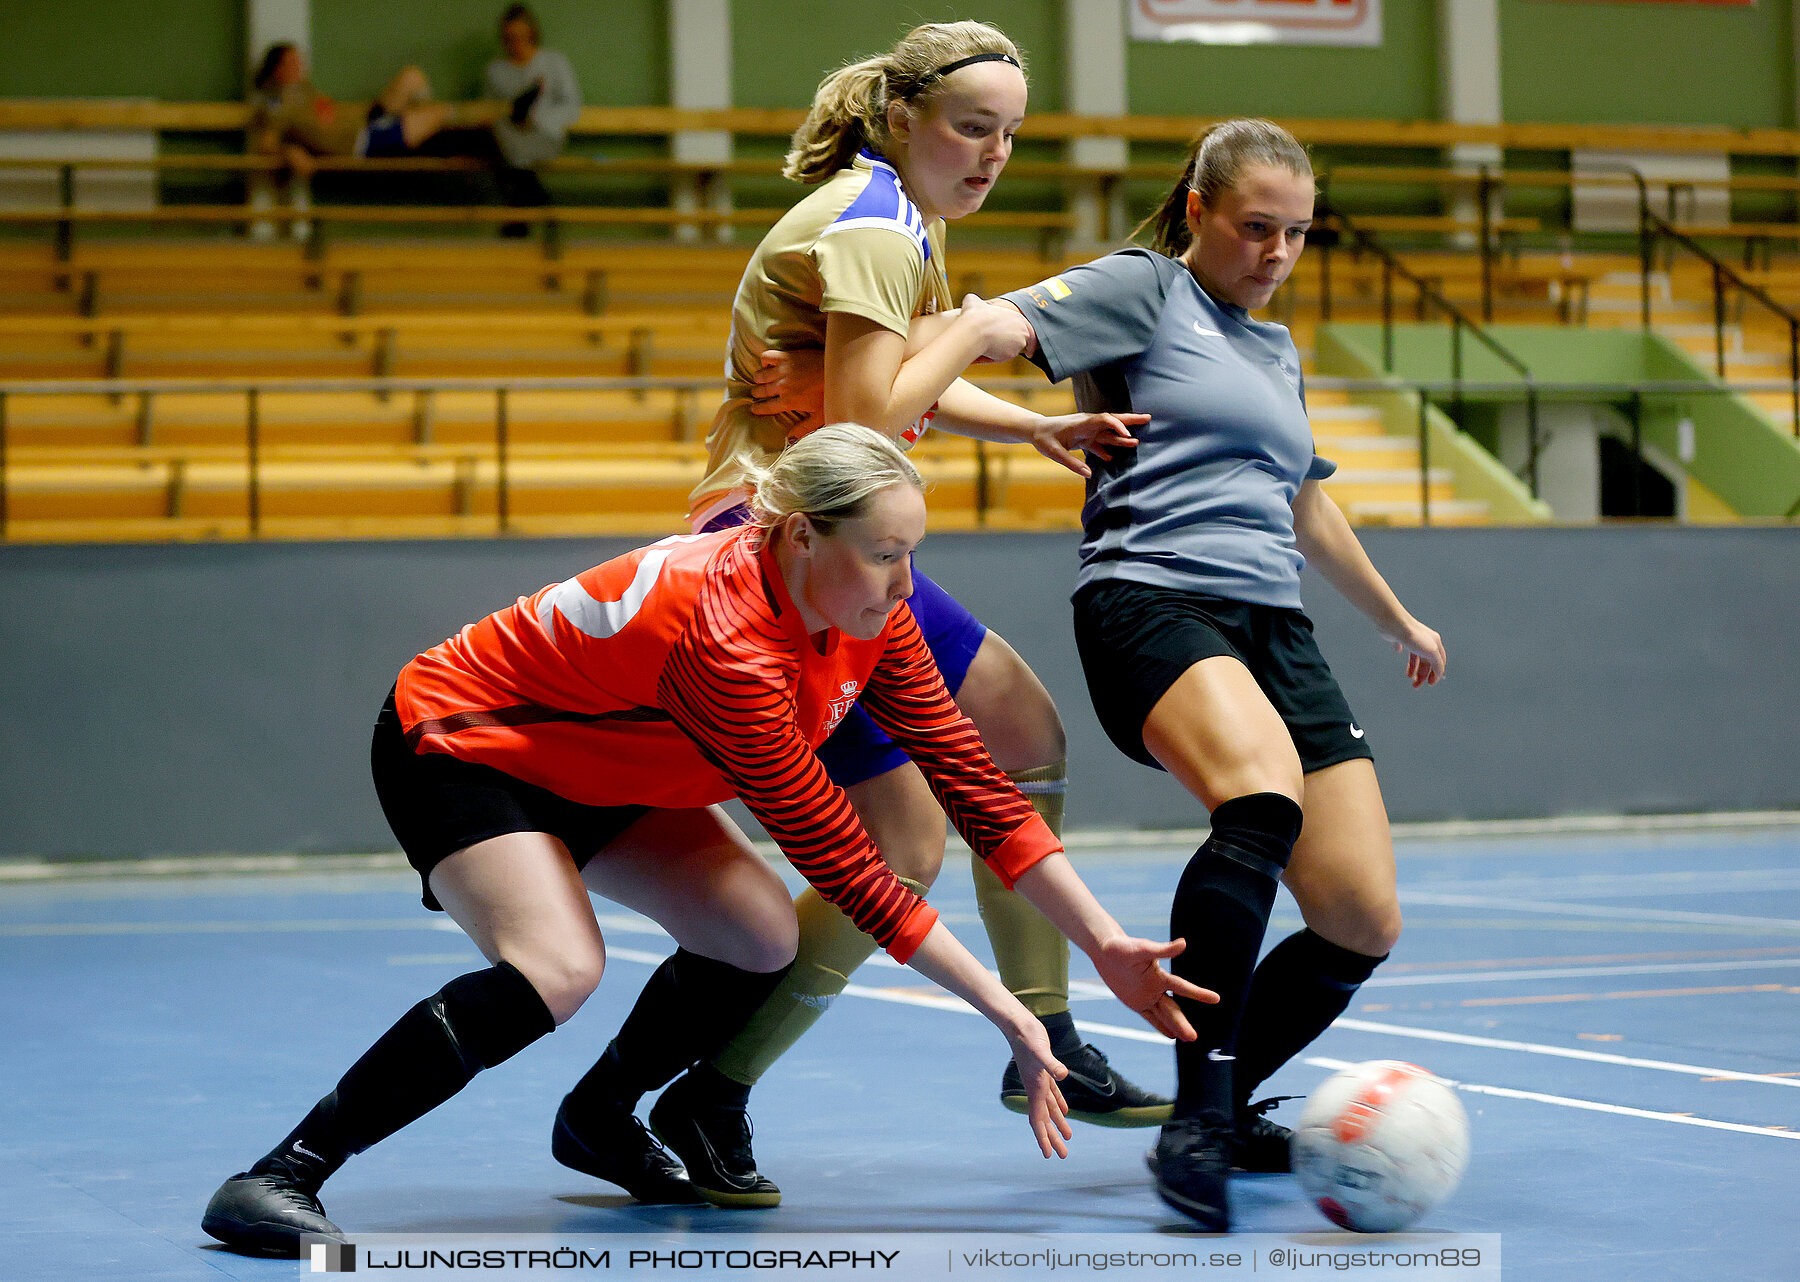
column 849, row 111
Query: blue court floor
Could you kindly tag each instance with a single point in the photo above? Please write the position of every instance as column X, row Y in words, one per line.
column 1621, row 1011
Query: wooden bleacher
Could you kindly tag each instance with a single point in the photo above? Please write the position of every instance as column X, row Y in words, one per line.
column 196, row 482
column 399, row 459
column 654, row 121
column 348, row 277
column 379, row 345
column 1049, row 226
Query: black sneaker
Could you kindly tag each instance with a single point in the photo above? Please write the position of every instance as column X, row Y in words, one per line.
column 616, row 1148
column 268, row 1212
column 1095, row 1093
column 1259, row 1145
column 714, row 1141
column 1192, row 1172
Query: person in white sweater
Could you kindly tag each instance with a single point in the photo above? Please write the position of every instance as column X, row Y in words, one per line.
column 543, row 99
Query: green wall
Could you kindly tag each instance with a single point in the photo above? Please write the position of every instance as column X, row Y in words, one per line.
column 770, row 70
column 1562, row 61
column 181, row 50
column 619, row 48
column 1636, row 63
column 1398, row 81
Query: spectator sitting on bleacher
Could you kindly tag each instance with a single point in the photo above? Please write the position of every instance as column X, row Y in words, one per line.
column 294, row 120
column 542, row 99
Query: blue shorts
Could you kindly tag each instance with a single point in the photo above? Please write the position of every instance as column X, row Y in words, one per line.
column 859, row 750
column 383, row 136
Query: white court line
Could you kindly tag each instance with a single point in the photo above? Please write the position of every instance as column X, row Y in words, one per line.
column 1088, row 988
column 1591, row 1106
column 1438, row 899
column 1560, row 1052
column 644, row 926
column 29, row 929
column 1075, row 840
column 1577, row 972
column 908, row 997
column 17, row 930
column 630, row 925
column 940, row 1001
column 1735, row 881
column 1437, row 830
column 635, row 955
column 451, row 959
column 625, row 923
column 434, row 959
column 945, row 1002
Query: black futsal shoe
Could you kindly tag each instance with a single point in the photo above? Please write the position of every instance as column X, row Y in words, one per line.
column 714, row 1141
column 268, row 1211
column 1259, row 1145
column 1192, row 1171
column 616, row 1148
column 1094, row 1092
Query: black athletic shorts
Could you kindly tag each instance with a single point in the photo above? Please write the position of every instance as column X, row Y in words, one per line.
column 438, row 804
column 1136, row 641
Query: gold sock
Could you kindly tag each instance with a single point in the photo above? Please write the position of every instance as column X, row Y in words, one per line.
column 1032, row 954
column 831, row 947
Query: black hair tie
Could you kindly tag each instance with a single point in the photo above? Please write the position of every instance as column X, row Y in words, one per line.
column 929, row 77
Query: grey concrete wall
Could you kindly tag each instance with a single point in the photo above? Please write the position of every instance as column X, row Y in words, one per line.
column 190, row 699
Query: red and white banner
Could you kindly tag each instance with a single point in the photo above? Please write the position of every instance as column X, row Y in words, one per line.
column 1253, row 22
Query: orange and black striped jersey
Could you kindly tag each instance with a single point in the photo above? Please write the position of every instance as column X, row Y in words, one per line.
column 681, row 674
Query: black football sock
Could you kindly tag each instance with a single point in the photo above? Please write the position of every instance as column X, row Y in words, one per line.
column 707, row 1085
column 1064, row 1039
column 1221, row 908
column 474, row 1022
column 689, row 1008
column 1304, row 983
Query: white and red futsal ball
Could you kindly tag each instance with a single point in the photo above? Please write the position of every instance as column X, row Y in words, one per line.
column 1379, row 1144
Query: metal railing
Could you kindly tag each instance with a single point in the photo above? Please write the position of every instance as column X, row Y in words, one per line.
column 1636, row 396
column 1460, row 323
column 1655, row 231
column 1658, row 235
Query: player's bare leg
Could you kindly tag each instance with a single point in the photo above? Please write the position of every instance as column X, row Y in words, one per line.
column 1020, row 726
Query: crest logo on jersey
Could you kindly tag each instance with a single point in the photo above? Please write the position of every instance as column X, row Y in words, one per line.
column 840, row 707
column 1052, row 290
